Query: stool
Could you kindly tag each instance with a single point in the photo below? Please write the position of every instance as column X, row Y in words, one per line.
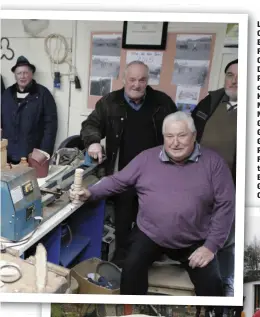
column 169, row 279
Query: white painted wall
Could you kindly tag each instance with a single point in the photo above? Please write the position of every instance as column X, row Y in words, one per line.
column 34, row 50
column 72, row 103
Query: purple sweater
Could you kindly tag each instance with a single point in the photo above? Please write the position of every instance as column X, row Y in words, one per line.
column 178, row 204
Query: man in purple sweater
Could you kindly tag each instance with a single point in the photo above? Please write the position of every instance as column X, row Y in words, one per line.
column 186, row 207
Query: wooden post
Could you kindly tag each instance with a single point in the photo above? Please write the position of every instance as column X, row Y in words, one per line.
column 3, row 146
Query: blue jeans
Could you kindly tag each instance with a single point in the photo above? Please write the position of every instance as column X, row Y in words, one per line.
column 226, row 260
column 226, row 263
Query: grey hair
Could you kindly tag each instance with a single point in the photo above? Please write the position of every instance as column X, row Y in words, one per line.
column 136, row 63
column 179, row 116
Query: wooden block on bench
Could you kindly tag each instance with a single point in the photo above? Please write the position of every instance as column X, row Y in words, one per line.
column 171, row 280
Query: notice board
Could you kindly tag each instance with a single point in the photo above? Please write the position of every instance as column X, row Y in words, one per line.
column 182, row 70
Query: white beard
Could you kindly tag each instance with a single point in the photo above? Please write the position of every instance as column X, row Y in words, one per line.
column 232, row 95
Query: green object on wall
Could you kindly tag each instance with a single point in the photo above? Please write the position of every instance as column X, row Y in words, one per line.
column 230, row 27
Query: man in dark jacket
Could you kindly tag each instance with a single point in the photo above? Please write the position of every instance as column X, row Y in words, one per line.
column 209, row 114
column 28, row 114
column 131, row 120
column 215, row 118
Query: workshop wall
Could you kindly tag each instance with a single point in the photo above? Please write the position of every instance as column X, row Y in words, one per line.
column 33, row 48
column 73, row 103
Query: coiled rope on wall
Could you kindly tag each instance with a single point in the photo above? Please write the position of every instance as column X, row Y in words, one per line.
column 57, row 53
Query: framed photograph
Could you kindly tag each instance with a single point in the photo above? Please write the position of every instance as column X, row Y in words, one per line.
column 145, row 35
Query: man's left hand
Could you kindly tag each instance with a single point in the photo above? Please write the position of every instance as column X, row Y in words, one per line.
column 201, row 257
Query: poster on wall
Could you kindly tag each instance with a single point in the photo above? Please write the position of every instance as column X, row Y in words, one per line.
column 152, row 59
column 106, row 52
column 193, row 46
column 109, row 59
column 190, row 72
column 100, row 86
column 105, row 66
column 106, row 45
column 186, row 107
column 187, row 94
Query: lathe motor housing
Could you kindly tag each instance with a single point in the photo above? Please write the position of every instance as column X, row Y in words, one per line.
column 20, row 202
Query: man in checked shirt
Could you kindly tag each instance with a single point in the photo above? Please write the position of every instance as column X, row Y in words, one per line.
column 215, row 118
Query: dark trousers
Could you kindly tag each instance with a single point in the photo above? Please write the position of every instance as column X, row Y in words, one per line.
column 126, row 209
column 11, row 161
column 143, row 252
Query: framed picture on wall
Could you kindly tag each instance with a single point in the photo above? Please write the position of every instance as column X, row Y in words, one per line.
column 145, row 35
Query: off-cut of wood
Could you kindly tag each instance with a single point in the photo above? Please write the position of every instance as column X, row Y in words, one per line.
column 26, row 284
column 77, row 188
column 3, row 149
column 77, row 184
column 170, row 278
column 41, row 270
column 77, row 181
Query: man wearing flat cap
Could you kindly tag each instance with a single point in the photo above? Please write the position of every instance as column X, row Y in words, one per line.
column 215, row 118
column 28, row 114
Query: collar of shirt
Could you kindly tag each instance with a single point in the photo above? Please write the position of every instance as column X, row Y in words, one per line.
column 132, row 104
column 231, row 105
column 21, row 95
column 194, row 157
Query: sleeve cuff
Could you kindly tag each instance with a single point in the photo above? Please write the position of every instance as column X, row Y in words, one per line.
column 92, row 190
column 211, row 246
column 90, row 140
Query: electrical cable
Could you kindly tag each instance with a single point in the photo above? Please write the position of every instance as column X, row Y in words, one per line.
column 58, row 54
column 70, row 234
column 10, row 278
column 55, row 56
column 34, row 27
column 47, row 45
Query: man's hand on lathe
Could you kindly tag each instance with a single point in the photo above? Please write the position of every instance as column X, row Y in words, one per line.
column 95, row 151
column 82, row 195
